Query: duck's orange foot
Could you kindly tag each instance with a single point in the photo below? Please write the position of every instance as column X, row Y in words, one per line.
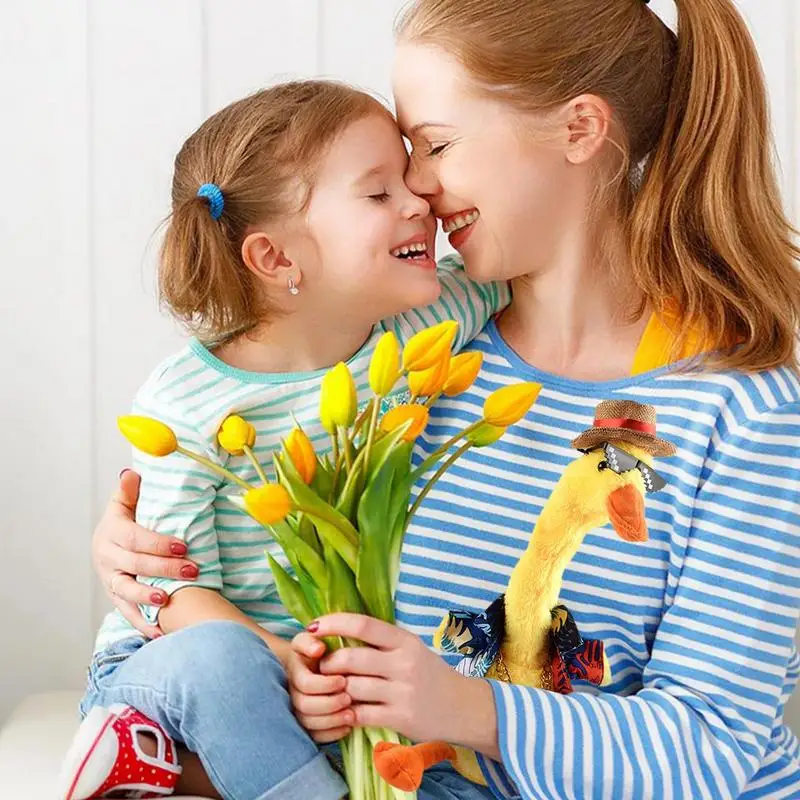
column 403, row 766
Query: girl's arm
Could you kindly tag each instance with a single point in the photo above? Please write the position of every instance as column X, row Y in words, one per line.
column 471, row 304
column 176, row 499
column 191, row 606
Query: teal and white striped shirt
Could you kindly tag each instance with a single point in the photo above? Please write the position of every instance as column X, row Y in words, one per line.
column 193, row 392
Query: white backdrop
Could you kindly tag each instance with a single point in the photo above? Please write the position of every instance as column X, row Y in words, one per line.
column 97, row 95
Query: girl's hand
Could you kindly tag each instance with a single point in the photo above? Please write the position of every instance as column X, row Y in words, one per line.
column 122, row 549
column 396, row 682
column 320, row 703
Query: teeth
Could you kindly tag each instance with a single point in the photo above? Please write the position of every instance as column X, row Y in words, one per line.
column 460, row 221
column 418, row 247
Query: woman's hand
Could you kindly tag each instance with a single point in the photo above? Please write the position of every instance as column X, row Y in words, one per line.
column 396, row 682
column 320, row 703
column 122, row 549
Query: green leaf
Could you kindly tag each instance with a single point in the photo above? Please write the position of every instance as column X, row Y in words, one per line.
column 332, row 526
column 382, row 448
column 290, row 593
column 384, row 501
column 342, row 593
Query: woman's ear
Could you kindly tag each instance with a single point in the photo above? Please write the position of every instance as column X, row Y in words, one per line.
column 589, row 120
column 263, row 256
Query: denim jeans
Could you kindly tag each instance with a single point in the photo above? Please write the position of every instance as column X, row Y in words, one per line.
column 219, row 690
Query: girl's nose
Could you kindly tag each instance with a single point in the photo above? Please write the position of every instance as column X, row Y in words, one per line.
column 416, row 206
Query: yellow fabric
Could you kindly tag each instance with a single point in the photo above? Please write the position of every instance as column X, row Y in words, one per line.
column 656, row 343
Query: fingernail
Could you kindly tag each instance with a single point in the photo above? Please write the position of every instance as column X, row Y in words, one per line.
column 157, row 635
column 122, row 472
column 157, row 599
column 189, row 571
column 178, row 549
column 313, row 627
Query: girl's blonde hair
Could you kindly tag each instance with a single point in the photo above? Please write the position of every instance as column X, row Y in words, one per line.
column 262, row 153
column 699, row 203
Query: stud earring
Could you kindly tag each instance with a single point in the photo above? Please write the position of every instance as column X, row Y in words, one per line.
column 293, row 290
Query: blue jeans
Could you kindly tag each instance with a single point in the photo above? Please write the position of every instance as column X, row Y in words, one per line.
column 218, row 689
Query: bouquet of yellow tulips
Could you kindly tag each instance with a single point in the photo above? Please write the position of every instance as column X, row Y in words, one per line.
column 340, row 519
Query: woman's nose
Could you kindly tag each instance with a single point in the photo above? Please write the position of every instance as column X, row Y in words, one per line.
column 420, row 179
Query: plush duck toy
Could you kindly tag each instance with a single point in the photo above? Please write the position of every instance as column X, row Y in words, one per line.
column 524, row 636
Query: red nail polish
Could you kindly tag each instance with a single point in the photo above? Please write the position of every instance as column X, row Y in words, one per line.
column 157, row 599
column 189, row 571
column 178, row 549
column 313, row 627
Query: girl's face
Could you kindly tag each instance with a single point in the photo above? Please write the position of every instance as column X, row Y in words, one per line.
column 500, row 191
column 367, row 243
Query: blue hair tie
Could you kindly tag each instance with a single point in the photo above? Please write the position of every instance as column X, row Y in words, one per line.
column 216, row 202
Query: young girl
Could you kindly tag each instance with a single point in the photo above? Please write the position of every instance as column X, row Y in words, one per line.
column 292, row 236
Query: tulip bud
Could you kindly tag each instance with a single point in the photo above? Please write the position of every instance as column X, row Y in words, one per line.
column 510, row 404
column 301, row 451
column 464, row 369
column 428, row 382
column 268, row 504
column 338, row 403
column 235, row 434
column 148, row 435
column 399, row 415
column 426, row 348
column 384, row 368
column 485, row 434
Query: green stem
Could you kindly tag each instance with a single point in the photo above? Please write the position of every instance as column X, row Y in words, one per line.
column 256, row 464
column 337, row 466
column 348, row 457
column 361, row 419
column 435, row 477
column 440, row 451
column 432, row 399
column 214, row 467
column 373, row 423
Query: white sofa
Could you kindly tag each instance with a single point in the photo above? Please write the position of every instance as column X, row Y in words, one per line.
column 32, row 743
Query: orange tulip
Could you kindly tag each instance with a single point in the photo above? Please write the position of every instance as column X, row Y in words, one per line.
column 301, row 451
column 464, row 369
column 510, row 404
column 399, row 415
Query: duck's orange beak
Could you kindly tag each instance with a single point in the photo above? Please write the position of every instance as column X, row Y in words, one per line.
column 626, row 512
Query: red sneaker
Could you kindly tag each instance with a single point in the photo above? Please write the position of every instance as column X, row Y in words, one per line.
column 107, row 760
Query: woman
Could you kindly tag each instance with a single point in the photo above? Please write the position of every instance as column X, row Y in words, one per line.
column 620, row 178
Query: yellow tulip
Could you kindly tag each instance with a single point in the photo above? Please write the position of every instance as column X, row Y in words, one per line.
column 384, row 368
column 235, row 434
column 399, row 415
column 510, row 404
column 337, row 405
column 268, row 504
column 426, row 348
column 485, row 434
column 148, row 435
column 302, row 454
column 464, row 368
column 427, row 382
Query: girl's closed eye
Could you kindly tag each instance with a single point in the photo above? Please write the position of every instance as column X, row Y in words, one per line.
column 381, row 197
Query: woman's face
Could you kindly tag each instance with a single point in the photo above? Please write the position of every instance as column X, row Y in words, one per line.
column 499, row 191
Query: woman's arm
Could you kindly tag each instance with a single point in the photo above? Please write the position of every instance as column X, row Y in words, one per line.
column 717, row 676
column 719, row 668
column 122, row 549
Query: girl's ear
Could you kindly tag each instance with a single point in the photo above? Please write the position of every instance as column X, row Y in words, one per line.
column 589, row 121
column 264, row 258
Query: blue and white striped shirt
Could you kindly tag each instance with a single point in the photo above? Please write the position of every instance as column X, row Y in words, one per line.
column 698, row 623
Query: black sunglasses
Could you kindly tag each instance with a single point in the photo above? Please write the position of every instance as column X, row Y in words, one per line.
column 619, row 461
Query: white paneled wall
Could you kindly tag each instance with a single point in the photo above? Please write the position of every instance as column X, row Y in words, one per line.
column 97, row 96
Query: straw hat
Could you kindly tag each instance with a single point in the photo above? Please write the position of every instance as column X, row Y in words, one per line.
column 625, row 421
